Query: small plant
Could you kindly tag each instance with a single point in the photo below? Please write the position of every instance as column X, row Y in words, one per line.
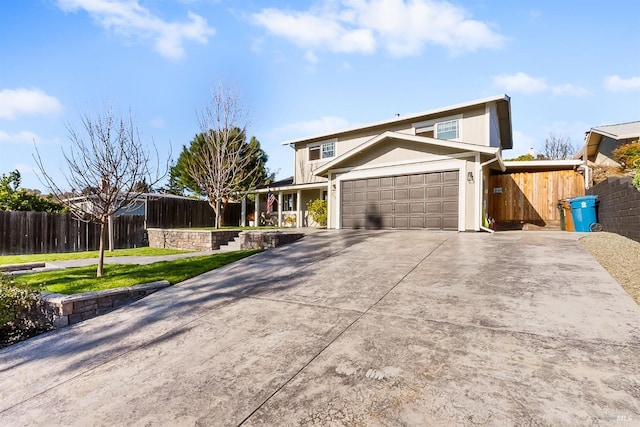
column 318, row 211
column 290, row 220
column 20, row 315
column 636, row 179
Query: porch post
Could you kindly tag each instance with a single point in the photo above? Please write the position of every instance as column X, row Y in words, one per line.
column 256, row 212
column 279, row 208
column 299, row 209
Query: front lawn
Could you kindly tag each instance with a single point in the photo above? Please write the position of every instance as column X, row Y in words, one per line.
column 65, row 256
column 83, row 279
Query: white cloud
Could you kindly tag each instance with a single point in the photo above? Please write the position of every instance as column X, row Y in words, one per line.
column 21, row 137
column 14, row 102
column 520, row 82
column 402, row 28
column 524, row 83
column 158, row 123
column 25, row 169
column 569, row 89
column 311, row 57
column 618, row 84
column 128, row 18
column 302, row 129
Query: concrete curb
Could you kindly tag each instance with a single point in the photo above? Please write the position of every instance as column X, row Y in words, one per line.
column 21, row 267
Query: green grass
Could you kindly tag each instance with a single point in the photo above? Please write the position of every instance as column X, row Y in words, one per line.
column 21, row 259
column 83, row 279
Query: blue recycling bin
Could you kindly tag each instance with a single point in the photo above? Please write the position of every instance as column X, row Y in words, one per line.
column 583, row 211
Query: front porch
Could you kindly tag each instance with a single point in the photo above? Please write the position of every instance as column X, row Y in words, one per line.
column 289, row 208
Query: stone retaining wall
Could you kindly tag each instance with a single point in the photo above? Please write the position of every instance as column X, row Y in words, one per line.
column 618, row 206
column 190, row 240
column 63, row 310
column 267, row 239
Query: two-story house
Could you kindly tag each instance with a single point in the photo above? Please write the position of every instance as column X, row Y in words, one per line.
column 425, row 170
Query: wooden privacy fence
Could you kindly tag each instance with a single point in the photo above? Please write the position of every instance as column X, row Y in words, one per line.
column 531, row 197
column 186, row 213
column 41, row 232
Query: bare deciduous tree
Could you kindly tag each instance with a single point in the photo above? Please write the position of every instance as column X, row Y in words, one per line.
column 105, row 164
column 223, row 165
column 558, row 148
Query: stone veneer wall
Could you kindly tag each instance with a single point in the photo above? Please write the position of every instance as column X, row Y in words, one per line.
column 191, row 240
column 267, row 239
column 63, row 310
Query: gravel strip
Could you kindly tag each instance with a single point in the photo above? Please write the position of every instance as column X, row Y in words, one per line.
column 620, row 256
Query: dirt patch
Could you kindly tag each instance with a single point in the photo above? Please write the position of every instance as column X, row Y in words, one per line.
column 620, row 256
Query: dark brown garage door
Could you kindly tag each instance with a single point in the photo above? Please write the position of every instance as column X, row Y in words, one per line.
column 427, row 200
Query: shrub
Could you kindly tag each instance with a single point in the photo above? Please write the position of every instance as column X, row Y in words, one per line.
column 636, row 179
column 20, row 316
column 318, row 211
column 628, row 154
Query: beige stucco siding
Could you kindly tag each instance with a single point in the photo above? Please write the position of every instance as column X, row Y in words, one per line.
column 470, row 194
column 473, row 127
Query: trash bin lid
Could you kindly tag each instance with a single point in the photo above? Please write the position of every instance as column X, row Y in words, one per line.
column 583, row 201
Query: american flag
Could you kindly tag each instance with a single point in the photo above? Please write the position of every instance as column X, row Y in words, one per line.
column 270, row 200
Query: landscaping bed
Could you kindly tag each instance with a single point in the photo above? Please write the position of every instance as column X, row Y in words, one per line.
column 618, row 255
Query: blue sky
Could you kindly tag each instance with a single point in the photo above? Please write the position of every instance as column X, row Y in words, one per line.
column 307, row 67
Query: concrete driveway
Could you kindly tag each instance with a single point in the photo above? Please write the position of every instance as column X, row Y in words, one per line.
column 352, row 328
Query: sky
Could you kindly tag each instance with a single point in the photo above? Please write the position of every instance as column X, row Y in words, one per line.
column 302, row 68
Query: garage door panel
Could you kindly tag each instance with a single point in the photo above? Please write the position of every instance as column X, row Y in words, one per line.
column 386, row 194
column 400, row 222
column 450, row 192
column 434, row 208
column 450, row 223
column 450, row 207
column 433, row 178
column 433, row 222
column 401, row 194
column 414, row 201
column 433, row 192
column 386, row 208
column 416, row 179
column 416, row 222
column 450, row 177
column 401, row 208
column 416, row 193
column 400, row 180
column 416, row 207
column 386, row 182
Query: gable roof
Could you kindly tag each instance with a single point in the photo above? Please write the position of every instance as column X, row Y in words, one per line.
column 324, row 169
column 618, row 132
column 504, row 117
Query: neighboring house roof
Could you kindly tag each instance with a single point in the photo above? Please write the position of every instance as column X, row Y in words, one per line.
column 324, row 169
column 504, row 118
column 618, row 132
column 542, row 165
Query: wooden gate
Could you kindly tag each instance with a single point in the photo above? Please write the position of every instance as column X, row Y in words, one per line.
column 520, row 198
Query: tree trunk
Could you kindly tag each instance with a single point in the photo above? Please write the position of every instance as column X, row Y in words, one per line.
column 218, row 214
column 103, row 229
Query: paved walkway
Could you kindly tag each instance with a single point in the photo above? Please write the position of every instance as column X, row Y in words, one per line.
column 352, row 328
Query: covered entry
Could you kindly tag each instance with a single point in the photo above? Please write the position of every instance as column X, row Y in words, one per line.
column 428, row 200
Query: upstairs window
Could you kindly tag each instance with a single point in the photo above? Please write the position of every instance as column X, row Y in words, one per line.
column 447, row 130
column 322, row 151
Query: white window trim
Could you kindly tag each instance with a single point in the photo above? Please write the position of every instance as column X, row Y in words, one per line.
column 432, row 125
column 319, row 145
